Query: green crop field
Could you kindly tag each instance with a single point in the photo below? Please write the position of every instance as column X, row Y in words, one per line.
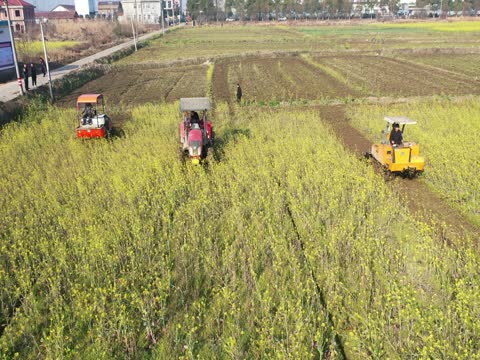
column 286, row 243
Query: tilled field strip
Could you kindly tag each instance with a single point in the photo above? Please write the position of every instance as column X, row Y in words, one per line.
column 420, row 200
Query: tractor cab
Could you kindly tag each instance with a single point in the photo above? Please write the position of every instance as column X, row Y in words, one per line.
column 398, row 158
column 93, row 122
column 196, row 134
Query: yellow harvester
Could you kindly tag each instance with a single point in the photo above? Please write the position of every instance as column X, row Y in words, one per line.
column 401, row 158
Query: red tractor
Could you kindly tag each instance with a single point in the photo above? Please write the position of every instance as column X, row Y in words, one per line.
column 94, row 123
column 196, row 133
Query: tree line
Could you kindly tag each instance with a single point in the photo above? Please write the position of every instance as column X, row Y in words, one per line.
column 309, row 9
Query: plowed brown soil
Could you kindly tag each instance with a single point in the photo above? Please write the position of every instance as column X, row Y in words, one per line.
column 276, row 79
column 130, row 85
column 421, row 201
column 380, row 76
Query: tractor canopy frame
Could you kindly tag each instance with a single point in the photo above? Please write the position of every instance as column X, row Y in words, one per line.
column 195, row 104
column 94, row 99
column 400, row 120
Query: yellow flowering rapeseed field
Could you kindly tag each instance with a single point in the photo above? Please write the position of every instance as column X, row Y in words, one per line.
column 286, row 245
column 448, row 133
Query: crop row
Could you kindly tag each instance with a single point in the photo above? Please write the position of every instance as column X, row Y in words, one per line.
column 381, row 76
column 467, row 64
column 127, row 85
column 277, row 79
column 212, row 41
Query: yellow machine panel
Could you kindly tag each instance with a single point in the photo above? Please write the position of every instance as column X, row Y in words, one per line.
column 399, row 159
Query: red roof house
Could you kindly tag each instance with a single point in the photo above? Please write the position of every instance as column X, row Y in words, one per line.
column 22, row 14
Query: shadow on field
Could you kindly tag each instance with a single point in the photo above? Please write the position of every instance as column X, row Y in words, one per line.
column 228, row 136
column 119, row 118
column 117, row 132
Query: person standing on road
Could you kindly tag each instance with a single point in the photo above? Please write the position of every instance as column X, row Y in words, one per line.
column 239, row 93
column 33, row 74
column 25, row 76
column 43, row 66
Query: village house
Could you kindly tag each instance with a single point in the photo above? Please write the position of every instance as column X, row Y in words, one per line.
column 148, row 11
column 48, row 5
column 22, row 14
column 58, row 13
column 110, row 9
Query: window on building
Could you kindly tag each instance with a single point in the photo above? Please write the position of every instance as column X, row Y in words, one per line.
column 17, row 13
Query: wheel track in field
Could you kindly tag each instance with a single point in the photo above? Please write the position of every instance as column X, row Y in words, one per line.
column 170, row 89
column 220, row 90
column 428, row 67
column 421, row 201
column 320, row 293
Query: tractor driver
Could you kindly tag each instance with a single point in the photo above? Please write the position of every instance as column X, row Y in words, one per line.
column 396, row 137
column 194, row 118
column 87, row 113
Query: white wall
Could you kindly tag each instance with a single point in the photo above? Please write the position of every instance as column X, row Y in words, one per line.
column 86, row 7
column 148, row 11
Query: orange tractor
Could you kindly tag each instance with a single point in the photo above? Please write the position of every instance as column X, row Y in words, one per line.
column 94, row 123
column 196, row 133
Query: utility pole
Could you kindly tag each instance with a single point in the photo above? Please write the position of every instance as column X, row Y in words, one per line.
column 136, row 13
column 161, row 15
column 46, row 61
column 14, row 51
column 134, row 37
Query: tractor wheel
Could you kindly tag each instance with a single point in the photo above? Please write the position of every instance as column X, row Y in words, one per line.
column 387, row 174
column 182, row 155
column 411, row 173
column 210, row 154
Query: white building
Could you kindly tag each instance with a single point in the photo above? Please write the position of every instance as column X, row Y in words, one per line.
column 147, row 11
column 86, row 7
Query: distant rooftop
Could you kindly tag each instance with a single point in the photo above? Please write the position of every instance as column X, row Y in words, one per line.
column 68, row 7
column 16, row 3
column 56, row 15
column 108, row 3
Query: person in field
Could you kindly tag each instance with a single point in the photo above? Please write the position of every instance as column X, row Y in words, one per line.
column 239, row 93
column 43, row 66
column 33, row 74
column 25, row 76
column 396, row 137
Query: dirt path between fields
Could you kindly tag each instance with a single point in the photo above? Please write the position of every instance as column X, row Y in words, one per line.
column 421, row 201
